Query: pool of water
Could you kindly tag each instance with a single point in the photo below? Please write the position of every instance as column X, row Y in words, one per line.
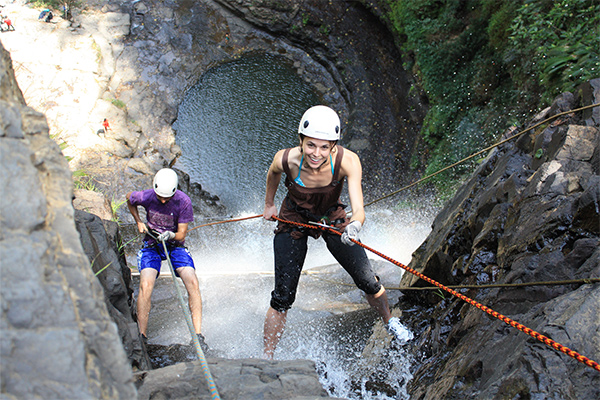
column 231, row 124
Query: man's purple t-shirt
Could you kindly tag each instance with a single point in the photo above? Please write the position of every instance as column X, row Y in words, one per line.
column 164, row 217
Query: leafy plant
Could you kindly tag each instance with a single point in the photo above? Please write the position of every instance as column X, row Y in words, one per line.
column 305, row 19
column 486, row 64
column 106, row 266
column 440, row 293
column 62, row 145
column 123, row 245
column 562, row 36
column 115, row 205
column 81, row 180
column 118, row 103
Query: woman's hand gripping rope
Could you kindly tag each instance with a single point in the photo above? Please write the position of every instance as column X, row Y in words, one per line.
column 350, row 235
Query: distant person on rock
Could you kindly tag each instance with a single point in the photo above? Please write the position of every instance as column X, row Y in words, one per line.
column 168, row 213
column 46, row 15
column 7, row 24
column 315, row 173
column 105, row 126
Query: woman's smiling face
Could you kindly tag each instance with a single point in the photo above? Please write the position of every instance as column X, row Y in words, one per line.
column 316, row 151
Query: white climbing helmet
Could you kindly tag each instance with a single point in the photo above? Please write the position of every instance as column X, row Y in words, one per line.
column 320, row 122
column 165, row 182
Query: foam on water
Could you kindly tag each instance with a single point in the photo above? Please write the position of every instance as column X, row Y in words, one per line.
column 235, row 264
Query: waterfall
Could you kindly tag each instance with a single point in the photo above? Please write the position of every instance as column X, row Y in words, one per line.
column 229, row 127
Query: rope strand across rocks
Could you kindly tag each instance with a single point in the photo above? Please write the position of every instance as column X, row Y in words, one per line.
column 544, row 339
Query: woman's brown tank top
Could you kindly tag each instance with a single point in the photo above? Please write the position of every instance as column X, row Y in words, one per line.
column 303, row 204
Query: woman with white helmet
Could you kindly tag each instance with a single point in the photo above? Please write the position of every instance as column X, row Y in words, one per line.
column 315, row 173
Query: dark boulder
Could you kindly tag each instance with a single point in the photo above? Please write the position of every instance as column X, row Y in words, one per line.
column 100, row 240
column 530, row 213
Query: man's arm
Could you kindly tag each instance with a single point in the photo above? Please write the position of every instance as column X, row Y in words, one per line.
column 181, row 232
column 142, row 228
column 273, row 179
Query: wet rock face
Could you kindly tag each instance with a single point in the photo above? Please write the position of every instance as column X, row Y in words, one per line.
column 235, row 379
column 57, row 340
column 530, row 213
column 340, row 48
column 368, row 82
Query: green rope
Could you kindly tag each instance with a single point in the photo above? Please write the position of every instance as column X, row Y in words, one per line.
column 207, row 375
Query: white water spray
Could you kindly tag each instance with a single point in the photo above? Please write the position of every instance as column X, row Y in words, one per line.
column 229, row 129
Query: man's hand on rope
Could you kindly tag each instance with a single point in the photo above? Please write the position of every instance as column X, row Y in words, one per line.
column 165, row 236
column 351, row 232
column 142, row 228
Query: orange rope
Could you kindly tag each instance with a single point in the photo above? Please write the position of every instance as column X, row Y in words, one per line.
column 515, row 324
column 223, row 222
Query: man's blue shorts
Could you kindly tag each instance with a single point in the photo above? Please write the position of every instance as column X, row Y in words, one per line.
column 152, row 256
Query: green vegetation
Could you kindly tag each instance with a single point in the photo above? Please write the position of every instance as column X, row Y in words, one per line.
column 325, row 29
column 488, row 64
column 62, row 145
column 118, row 103
column 115, row 205
column 81, row 180
column 305, row 19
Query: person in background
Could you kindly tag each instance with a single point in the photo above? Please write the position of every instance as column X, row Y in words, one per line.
column 6, row 22
column 105, row 126
column 315, row 173
column 168, row 213
column 46, row 15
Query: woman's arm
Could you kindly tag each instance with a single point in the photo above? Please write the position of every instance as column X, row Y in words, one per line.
column 352, row 168
column 273, row 179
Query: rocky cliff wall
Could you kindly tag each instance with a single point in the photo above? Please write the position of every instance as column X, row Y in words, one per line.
column 57, row 339
column 67, row 329
column 132, row 62
column 529, row 213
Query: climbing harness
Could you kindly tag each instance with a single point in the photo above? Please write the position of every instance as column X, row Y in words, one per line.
column 513, row 323
column 207, row 375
